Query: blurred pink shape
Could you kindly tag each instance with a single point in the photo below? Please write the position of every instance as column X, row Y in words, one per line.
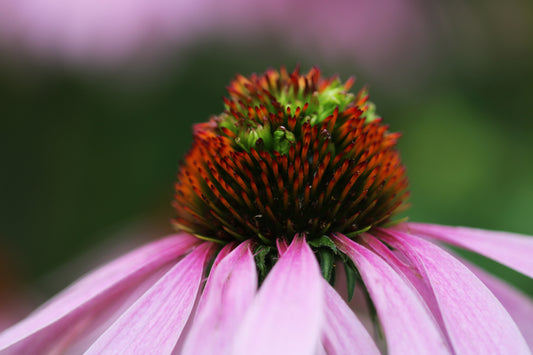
column 97, row 32
column 378, row 35
column 107, row 31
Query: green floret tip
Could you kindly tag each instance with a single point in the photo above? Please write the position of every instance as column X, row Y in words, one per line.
column 253, row 134
column 321, row 104
column 370, row 113
column 283, row 139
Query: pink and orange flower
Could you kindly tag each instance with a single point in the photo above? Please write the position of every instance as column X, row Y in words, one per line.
column 285, row 204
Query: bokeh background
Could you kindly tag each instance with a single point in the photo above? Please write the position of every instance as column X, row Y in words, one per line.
column 97, row 100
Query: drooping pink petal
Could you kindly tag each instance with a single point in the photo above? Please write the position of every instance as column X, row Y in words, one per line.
column 320, row 350
column 287, row 315
column 77, row 304
column 230, row 290
column 512, row 250
column 178, row 349
column 475, row 321
column 154, row 323
column 220, row 256
column 408, row 325
column 343, row 333
column 411, row 274
column 519, row 306
column 282, row 246
column 358, row 303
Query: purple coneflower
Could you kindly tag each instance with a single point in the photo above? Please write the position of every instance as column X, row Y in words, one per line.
column 284, row 207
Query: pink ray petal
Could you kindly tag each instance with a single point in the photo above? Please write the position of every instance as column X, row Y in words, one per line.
column 79, row 302
column 512, row 250
column 408, row 325
column 282, row 246
column 358, row 303
column 519, row 306
column 229, row 292
column 320, row 350
column 220, row 256
column 343, row 333
column 154, row 323
column 411, row 274
column 475, row 321
column 287, row 315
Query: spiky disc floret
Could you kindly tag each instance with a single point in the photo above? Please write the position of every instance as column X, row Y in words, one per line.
column 290, row 154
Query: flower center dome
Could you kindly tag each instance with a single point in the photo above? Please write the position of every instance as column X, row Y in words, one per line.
column 290, row 154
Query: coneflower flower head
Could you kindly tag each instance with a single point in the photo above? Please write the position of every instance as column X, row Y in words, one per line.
column 290, row 155
column 296, row 178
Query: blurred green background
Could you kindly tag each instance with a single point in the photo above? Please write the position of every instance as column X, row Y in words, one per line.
column 89, row 153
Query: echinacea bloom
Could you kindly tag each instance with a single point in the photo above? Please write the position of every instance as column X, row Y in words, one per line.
column 284, row 203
